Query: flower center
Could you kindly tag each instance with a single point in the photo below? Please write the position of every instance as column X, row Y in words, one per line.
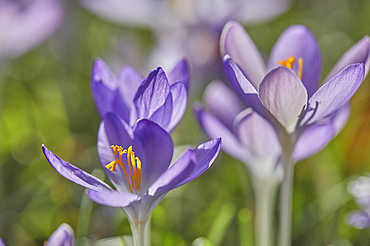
column 133, row 163
column 290, row 62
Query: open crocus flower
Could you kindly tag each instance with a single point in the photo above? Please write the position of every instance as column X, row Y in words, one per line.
column 25, row 24
column 287, row 95
column 63, row 236
column 360, row 189
column 158, row 97
column 137, row 161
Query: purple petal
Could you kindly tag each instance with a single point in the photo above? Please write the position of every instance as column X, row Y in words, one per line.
column 222, row 102
column 358, row 53
column 129, row 81
column 2, row 242
column 158, row 148
column 284, row 96
column 179, row 102
column 153, row 94
column 299, row 41
column 63, row 236
column 214, row 128
column 180, row 73
column 73, row 173
column 236, row 42
column 359, row 219
column 205, row 155
column 257, row 135
column 113, row 198
column 246, row 91
column 334, row 93
column 101, row 73
column 177, row 173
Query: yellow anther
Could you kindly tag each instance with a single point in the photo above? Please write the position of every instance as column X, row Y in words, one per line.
column 290, row 62
column 134, row 165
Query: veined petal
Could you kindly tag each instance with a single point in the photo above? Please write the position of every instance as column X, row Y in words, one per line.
column 257, row 135
column 246, row 91
column 214, row 128
column 63, row 236
column 205, row 155
column 358, row 53
column 334, row 93
column 178, row 172
column 73, row 173
column 179, row 101
column 152, row 94
column 180, row 73
column 282, row 93
column 222, row 102
column 162, row 116
column 299, row 41
column 113, row 198
column 236, row 42
column 129, row 81
column 158, row 147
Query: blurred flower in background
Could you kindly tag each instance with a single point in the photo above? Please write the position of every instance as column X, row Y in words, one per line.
column 186, row 28
column 24, row 24
column 360, row 190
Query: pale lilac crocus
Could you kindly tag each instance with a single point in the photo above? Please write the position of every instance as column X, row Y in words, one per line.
column 137, row 161
column 62, row 236
column 158, row 97
column 24, row 24
column 284, row 92
column 360, row 189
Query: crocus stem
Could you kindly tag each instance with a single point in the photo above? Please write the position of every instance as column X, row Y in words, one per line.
column 140, row 233
column 285, row 216
column 265, row 194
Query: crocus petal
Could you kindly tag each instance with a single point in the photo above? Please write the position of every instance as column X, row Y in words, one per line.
column 222, row 102
column 180, row 73
column 179, row 101
column 73, row 173
column 358, row 53
column 282, row 93
column 162, row 116
column 334, row 93
column 246, row 91
column 179, row 171
column 299, row 41
column 129, row 81
column 257, row 135
column 152, row 94
column 359, row 219
column 236, row 42
column 113, row 198
column 2, row 242
column 101, row 73
column 205, row 155
column 214, row 128
column 63, row 236
column 158, row 147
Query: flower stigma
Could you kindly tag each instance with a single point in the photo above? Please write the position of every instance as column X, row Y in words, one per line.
column 290, row 62
column 133, row 163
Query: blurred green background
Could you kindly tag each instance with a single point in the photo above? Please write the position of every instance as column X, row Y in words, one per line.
column 45, row 98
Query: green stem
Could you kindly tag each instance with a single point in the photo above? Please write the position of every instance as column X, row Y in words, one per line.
column 140, row 233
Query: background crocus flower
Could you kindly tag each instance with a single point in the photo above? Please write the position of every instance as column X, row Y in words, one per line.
column 287, row 95
column 137, row 161
column 157, row 97
column 62, row 236
column 360, row 189
column 25, row 24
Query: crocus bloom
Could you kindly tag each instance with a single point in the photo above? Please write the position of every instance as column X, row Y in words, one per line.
column 360, row 189
column 158, row 97
column 25, row 24
column 63, row 236
column 286, row 95
column 137, row 161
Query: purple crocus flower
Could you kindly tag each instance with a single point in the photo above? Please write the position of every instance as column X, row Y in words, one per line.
column 137, row 161
column 63, row 236
column 24, row 24
column 158, row 97
column 360, row 189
